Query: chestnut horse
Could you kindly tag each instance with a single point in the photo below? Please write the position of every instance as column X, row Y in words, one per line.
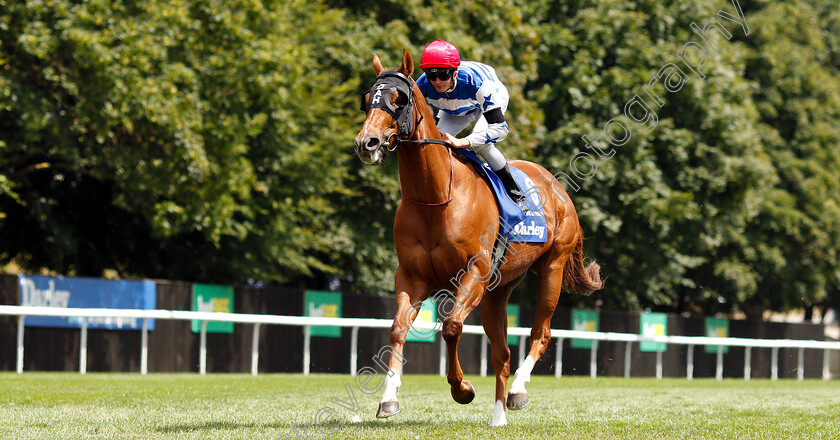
column 445, row 209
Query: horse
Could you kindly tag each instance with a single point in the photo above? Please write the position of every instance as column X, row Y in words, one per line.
column 440, row 229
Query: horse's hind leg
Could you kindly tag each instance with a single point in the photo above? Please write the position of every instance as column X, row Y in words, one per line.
column 494, row 319
column 550, row 284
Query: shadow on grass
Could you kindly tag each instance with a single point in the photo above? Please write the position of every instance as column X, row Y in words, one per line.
column 331, row 427
column 215, row 425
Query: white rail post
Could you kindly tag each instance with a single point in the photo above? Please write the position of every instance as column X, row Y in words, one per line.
column 522, row 341
column 20, row 344
column 628, row 347
column 719, row 366
column 255, row 350
column 593, row 359
column 483, row 369
column 87, row 316
column 442, row 354
column 144, row 347
column 689, row 362
column 83, row 347
column 826, row 372
column 659, row 364
column 354, row 350
column 800, row 367
column 558, row 359
column 202, row 350
column 747, row 363
column 307, row 336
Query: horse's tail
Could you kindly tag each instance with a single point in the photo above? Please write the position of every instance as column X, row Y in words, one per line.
column 579, row 278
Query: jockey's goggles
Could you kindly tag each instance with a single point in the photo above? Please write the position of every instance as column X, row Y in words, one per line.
column 439, row 73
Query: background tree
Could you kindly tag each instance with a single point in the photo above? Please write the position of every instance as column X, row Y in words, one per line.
column 192, row 140
column 794, row 65
column 212, row 141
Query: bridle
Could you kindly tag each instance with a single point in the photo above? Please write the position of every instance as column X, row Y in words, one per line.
column 386, row 83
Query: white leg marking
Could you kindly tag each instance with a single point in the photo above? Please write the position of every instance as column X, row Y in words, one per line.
column 499, row 417
column 523, row 376
column 392, row 387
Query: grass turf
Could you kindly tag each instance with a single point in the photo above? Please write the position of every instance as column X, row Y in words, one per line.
column 273, row 406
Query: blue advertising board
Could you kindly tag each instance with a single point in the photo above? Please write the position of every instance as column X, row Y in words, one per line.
column 44, row 291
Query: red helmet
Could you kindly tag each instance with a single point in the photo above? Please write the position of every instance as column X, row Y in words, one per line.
column 440, row 53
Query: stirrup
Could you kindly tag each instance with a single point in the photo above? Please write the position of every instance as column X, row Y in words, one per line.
column 518, row 197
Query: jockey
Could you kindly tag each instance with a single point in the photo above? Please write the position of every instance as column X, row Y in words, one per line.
column 465, row 92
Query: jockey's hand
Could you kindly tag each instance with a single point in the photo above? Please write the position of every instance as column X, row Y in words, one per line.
column 456, row 142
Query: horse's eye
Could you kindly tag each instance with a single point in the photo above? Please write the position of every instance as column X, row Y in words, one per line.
column 400, row 100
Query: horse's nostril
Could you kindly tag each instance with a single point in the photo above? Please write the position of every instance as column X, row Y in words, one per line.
column 372, row 144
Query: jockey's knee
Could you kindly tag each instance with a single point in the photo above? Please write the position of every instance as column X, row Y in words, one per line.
column 492, row 155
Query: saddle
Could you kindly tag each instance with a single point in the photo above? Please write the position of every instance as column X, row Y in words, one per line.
column 522, row 222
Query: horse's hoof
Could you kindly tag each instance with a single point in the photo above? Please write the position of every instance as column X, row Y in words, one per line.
column 517, row 401
column 466, row 398
column 388, row 409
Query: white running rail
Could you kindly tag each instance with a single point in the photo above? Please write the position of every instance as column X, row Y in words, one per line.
column 355, row 323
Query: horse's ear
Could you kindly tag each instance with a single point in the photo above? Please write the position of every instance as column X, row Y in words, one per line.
column 408, row 63
column 377, row 65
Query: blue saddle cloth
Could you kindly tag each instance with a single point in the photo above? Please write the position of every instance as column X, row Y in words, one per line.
column 521, row 226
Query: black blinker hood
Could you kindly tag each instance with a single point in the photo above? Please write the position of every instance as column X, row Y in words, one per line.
column 380, row 97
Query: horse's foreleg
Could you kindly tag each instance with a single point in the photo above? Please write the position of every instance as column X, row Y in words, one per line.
column 494, row 319
column 462, row 390
column 466, row 300
column 409, row 294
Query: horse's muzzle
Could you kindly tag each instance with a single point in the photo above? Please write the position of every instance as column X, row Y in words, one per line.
column 369, row 149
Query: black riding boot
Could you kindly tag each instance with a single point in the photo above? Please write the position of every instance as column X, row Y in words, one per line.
column 510, row 185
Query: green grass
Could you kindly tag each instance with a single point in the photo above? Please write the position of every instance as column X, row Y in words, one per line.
column 109, row 406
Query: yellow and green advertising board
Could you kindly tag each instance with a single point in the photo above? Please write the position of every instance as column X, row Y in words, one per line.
column 216, row 299
column 513, row 321
column 653, row 324
column 324, row 305
column 587, row 321
column 428, row 314
column 717, row 328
